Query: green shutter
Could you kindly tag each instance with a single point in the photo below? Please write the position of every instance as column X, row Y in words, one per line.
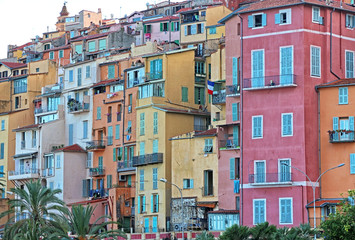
column 161, row 27
column 145, row 28
column 232, row 168
column 114, row 154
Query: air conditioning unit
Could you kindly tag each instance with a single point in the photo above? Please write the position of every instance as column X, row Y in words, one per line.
column 122, row 178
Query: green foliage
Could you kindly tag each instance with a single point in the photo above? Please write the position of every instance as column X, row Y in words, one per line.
column 205, row 236
column 303, row 232
column 235, row 232
column 262, row 231
column 341, row 225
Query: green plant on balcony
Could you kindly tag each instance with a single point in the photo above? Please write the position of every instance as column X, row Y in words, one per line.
column 73, row 104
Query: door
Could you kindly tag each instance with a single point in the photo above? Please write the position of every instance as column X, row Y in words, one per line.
column 286, row 66
column 257, row 73
column 344, row 125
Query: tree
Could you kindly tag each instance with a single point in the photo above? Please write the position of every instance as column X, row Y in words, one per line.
column 341, row 225
column 205, row 236
column 262, row 231
column 235, row 232
column 77, row 221
column 39, row 204
column 304, row 232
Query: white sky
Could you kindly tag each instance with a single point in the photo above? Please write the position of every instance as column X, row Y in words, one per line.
column 21, row 20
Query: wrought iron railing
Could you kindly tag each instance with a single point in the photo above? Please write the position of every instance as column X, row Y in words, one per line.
column 125, row 164
column 229, row 144
column 219, row 97
column 232, row 90
column 270, row 177
column 207, row 190
column 154, row 75
column 147, row 159
column 98, row 171
column 24, row 171
column 95, row 144
column 269, row 81
column 78, row 107
column 338, row 136
column 48, row 172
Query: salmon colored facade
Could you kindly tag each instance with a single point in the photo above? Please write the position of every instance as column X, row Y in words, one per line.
column 61, row 55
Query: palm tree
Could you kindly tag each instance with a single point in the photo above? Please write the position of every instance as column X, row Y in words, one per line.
column 262, row 231
column 78, row 223
column 205, row 236
column 236, row 232
column 39, row 204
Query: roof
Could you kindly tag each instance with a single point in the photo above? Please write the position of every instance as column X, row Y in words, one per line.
column 324, row 202
column 207, row 204
column 28, row 127
column 25, row 155
column 162, row 19
column 338, row 82
column 89, row 201
column 72, row 148
column 224, row 212
column 184, row 10
column 57, row 48
column 183, row 111
column 13, row 65
column 22, row 46
column 105, row 83
column 209, row 132
column 90, row 37
column 269, row 4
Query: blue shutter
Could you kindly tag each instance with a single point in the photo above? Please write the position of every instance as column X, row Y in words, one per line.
column 277, row 18
column 345, row 95
column 117, row 131
column 143, row 203
column 185, row 183
column 155, row 224
column 2, row 124
column 264, row 19
column 146, row 224
column 351, row 123
column 352, row 163
column 235, row 71
column 85, row 129
column 262, row 212
column 193, row 29
column 185, row 30
column 335, row 127
column 160, row 65
column 152, row 203
column 232, row 168
column 341, row 95
column 71, row 79
column 2, row 171
column 202, row 27
column 256, row 212
column 114, row 154
column 191, row 183
column 157, row 202
column 2, row 150
column 236, row 136
column 71, row 135
column 250, row 21
column 139, row 204
column 98, row 113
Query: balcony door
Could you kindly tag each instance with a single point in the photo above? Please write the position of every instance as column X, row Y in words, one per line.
column 284, row 170
column 259, row 171
column 344, row 125
column 208, row 183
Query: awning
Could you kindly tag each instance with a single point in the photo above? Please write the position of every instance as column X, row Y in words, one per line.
column 207, row 204
column 25, row 155
column 324, row 202
column 127, row 173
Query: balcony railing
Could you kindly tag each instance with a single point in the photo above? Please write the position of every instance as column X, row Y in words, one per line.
column 76, row 107
column 338, row 136
column 98, row 193
column 98, row 171
column 229, row 144
column 270, row 81
column 44, row 110
column 124, row 164
column 48, row 172
column 264, row 178
column 56, row 88
column 147, row 159
column 119, row 116
column 96, row 145
column 154, row 75
column 207, row 190
column 232, row 90
column 24, row 173
column 192, row 18
column 219, row 97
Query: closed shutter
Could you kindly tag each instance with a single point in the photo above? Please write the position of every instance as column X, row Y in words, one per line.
column 236, row 136
column 335, row 127
column 157, row 202
column 232, row 168
column 152, row 203
column 143, row 204
column 235, row 71
column 2, row 150
column 235, row 114
column 250, row 21
column 114, row 154
column 352, row 163
column 139, row 204
column 84, row 188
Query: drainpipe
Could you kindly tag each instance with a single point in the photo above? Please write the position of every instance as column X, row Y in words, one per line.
column 331, row 44
column 241, row 119
column 319, row 146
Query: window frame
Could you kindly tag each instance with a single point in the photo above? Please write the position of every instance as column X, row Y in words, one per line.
column 319, row 63
column 208, row 145
column 255, row 200
column 286, row 223
column 346, row 65
column 313, row 16
column 343, row 102
column 351, row 23
column 262, row 128
column 255, row 171
column 282, row 125
column 288, row 16
column 280, row 167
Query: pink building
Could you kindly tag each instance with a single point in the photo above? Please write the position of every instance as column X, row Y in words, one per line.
column 286, row 49
column 163, row 29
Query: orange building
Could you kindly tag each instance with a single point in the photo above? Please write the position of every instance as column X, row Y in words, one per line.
column 336, row 102
column 60, row 55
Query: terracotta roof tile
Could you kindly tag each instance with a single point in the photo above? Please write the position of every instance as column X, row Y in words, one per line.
column 90, row 37
column 22, row 46
column 176, row 110
column 349, row 81
column 72, row 148
column 224, row 212
column 14, row 65
column 209, row 132
column 163, row 19
column 105, row 82
column 26, row 127
column 184, row 10
column 324, row 202
column 57, row 48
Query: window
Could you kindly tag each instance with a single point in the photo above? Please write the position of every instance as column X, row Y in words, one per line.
column 141, row 180
column 142, row 124
column 257, row 20
column 330, row 209
column 156, row 69
column 20, row 85
column 286, row 65
column 316, row 18
column 109, row 135
column 285, row 211
column 155, row 145
column 235, row 111
column 163, row 27
column 235, row 71
column 283, row 17
column 111, row 72
column 259, row 171
column 208, row 146
column 89, row 160
column 188, row 183
column 71, row 134
column 343, row 95
column 85, row 129
column 155, row 178
column 259, row 211
column 2, row 125
column 350, row 21
column 58, row 161
column 258, row 68
column 234, row 168
column 284, row 170
column 88, row 72
column 175, row 26
column 34, row 139
column 102, row 44
column 237, row 203
column 212, row 30
column 154, row 203
column 200, row 95
column 315, row 61
column 109, row 181
column 287, row 124
column 184, row 94
column 349, row 64
column 61, row 53
column 71, row 75
column 92, row 46
column 117, row 131
column 257, row 127
column 352, row 163
column 129, row 103
column 2, row 150
column 129, row 127
column 141, row 204
column 147, row 28
column 79, row 49
column 98, row 113
column 208, row 183
column 155, row 123
column 51, row 55
column 200, row 28
column 200, row 68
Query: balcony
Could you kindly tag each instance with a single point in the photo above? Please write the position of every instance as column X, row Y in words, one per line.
column 56, row 88
column 98, row 193
column 125, row 165
column 190, row 18
column 95, row 145
column 340, row 136
column 232, row 90
column 207, row 190
column 200, row 127
column 267, row 82
column 154, row 75
column 219, row 97
column 77, row 107
column 48, row 172
column 142, row 160
column 31, row 173
column 270, row 178
column 96, row 172
column 228, row 144
column 45, row 110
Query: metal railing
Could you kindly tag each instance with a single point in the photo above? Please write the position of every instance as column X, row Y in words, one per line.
column 154, row 75
column 98, row 193
column 192, row 18
column 228, row 144
column 98, row 171
column 147, row 159
column 109, row 118
column 125, row 164
column 270, row 177
column 232, row 90
column 78, row 107
column 200, row 127
column 219, row 97
column 270, row 81
column 24, row 171
column 338, row 136
column 119, row 116
column 95, row 144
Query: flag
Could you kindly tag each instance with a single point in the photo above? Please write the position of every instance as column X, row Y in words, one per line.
column 210, row 86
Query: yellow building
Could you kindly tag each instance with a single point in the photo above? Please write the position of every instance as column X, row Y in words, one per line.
column 195, row 155
column 167, row 98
